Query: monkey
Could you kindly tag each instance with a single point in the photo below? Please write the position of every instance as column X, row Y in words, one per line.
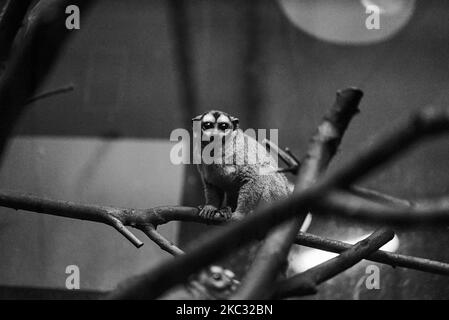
column 247, row 175
column 218, row 282
column 242, row 177
column 211, row 283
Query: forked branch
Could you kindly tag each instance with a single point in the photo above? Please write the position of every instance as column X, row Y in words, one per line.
column 152, row 218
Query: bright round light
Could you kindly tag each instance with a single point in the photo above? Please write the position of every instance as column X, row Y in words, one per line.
column 388, row 7
column 344, row 22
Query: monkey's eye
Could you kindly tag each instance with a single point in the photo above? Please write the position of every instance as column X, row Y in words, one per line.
column 208, row 125
column 216, row 276
column 223, row 126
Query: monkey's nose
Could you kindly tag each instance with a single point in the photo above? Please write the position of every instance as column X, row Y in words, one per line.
column 215, row 135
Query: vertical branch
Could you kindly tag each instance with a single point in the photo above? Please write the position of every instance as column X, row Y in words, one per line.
column 272, row 256
column 36, row 48
column 10, row 21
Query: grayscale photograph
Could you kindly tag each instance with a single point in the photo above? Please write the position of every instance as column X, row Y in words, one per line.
column 276, row 151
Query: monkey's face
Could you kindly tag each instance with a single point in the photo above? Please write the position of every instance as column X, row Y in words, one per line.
column 218, row 279
column 216, row 125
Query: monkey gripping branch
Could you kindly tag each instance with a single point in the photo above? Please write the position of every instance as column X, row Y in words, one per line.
column 331, row 194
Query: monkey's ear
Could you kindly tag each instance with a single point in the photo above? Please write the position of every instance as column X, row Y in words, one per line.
column 235, row 122
column 197, row 118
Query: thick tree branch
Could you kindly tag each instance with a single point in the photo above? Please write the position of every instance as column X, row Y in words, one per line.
column 151, row 218
column 392, row 259
column 162, row 277
column 306, row 282
column 118, row 218
column 271, row 257
column 115, row 217
column 146, row 220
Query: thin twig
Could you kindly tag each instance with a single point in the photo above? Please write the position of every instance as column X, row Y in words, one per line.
column 288, row 158
column 162, row 242
column 50, row 93
column 306, row 282
column 292, row 156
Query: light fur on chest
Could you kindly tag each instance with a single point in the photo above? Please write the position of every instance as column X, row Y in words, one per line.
column 219, row 175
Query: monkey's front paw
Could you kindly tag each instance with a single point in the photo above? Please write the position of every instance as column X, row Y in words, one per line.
column 225, row 212
column 208, row 211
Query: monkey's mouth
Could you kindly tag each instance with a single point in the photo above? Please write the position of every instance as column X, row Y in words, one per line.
column 212, row 139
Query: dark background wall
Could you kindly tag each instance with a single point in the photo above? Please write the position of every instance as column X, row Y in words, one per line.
column 144, row 68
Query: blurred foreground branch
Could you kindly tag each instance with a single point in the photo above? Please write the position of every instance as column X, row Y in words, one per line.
column 324, row 144
column 428, row 122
